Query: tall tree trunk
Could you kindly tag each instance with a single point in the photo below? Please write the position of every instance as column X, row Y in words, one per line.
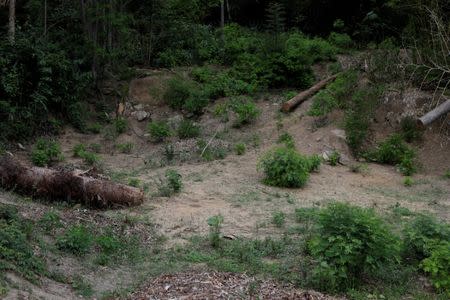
column 12, row 21
column 45, row 17
column 222, row 17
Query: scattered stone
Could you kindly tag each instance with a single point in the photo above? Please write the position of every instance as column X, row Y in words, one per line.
column 21, row 147
column 140, row 115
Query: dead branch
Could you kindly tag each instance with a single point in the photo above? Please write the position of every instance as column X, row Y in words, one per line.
column 434, row 114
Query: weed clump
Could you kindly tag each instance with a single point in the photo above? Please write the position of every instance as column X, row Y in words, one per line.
column 77, row 240
column 278, row 218
column 120, row 125
column 159, row 130
column 89, row 158
column 188, row 129
column 215, row 226
column 46, row 152
column 285, row 167
column 246, row 112
column 410, row 131
column 171, row 185
column 351, row 242
column 240, row 148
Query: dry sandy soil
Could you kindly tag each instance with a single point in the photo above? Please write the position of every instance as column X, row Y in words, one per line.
column 232, row 186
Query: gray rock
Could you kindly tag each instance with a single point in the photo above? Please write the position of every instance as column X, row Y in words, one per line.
column 140, row 115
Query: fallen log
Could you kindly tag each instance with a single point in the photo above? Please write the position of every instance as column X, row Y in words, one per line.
column 433, row 115
column 66, row 185
column 303, row 96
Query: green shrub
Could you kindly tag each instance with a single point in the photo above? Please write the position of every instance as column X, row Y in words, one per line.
column 134, row 182
column 94, row 128
column 17, row 252
column 394, row 151
column 196, row 102
column 88, row 157
column 438, row 266
column 314, row 162
column 351, row 242
column 188, row 129
column 408, row 181
column 340, row 40
column 240, row 148
column 120, row 125
column 285, row 167
column 246, row 112
column 76, row 239
column 125, row 147
column 215, row 226
column 45, row 152
column 178, row 92
column 286, row 139
column 422, row 234
column 159, row 130
column 50, row 220
column 97, row 148
column 333, row 160
column 278, row 218
column 410, row 131
column 172, row 184
column 447, row 174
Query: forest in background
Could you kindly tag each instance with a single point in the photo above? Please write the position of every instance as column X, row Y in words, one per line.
column 60, row 50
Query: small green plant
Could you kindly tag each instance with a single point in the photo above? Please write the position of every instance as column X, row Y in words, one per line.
column 196, row 102
column 188, row 129
column 46, row 152
column 94, row 128
column 394, row 151
column 334, row 158
column 278, row 218
column 178, row 91
column 125, row 147
column 50, row 220
column 171, row 185
column 135, row 182
column 447, row 174
column 96, row 148
column 169, row 152
column 240, row 148
column 408, row 181
column 314, row 162
column 438, row 266
column 285, row 167
column 286, row 139
column 159, row 130
column 410, row 131
column 76, row 239
column 246, row 112
column 120, row 125
column 88, row 157
column 82, row 287
column 359, row 168
column 215, row 227
column 351, row 242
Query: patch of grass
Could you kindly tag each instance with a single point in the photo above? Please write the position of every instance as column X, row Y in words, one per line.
column 215, row 226
column 410, row 131
column 46, row 152
column 94, row 147
column 82, row 287
column 95, row 128
column 401, row 211
column 76, row 239
column 50, row 220
column 334, row 158
column 212, row 151
column 447, row 174
column 240, row 149
column 159, row 130
column 125, row 147
column 279, row 218
column 359, row 168
column 134, row 182
column 89, row 158
column 178, row 91
column 188, row 129
column 171, row 185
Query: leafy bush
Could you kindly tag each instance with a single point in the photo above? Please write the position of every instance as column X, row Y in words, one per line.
column 125, row 147
column 240, row 148
column 159, row 130
column 351, row 242
column 422, row 234
column 188, row 129
column 88, row 157
column 45, row 152
column 333, row 160
column 438, row 266
column 17, row 251
column 77, row 240
column 178, row 92
column 314, row 162
column 408, row 181
column 120, row 125
column 172, row 184
column 196, row 102
column 410, row 131
column 50, row 220
column 246, row 112
column 278, row 218
column 215, row 226
column 394, row 151
column 286, row 139
column 285, row 167
column 340, row 40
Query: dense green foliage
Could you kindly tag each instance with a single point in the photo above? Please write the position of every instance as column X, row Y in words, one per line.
column 350, row 242
column 45, row 152
column 159, row 130
column 285, row 167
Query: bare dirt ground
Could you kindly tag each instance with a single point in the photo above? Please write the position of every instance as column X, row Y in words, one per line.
column 232, row 186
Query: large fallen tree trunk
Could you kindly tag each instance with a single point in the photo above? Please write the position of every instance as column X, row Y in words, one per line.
column 66, row 185
column 303, row 96
column 434, row 114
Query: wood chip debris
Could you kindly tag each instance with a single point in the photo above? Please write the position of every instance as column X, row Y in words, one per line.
column 217, row 285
